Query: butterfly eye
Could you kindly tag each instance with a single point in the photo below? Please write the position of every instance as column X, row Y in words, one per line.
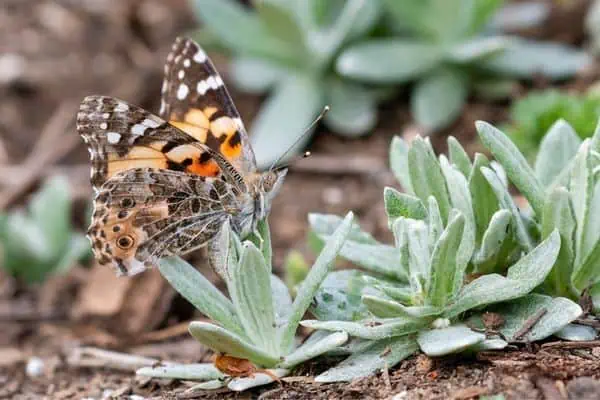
column 125, row 242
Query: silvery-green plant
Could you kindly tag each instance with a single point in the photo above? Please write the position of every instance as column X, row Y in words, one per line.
column 41, row 242
column 447, row 49
column 258, row 322
column 563, row 194
column 432, row 187
column 438, row 253
column 287, row 48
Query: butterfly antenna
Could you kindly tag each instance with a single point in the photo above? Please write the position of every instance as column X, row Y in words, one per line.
column 306, row 132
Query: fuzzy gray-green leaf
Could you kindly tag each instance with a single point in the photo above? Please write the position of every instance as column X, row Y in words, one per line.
column 251, row 294
column 382, row 353
column 493, row 239
column 454, row 339
column 388, row 61
column 460, row 198
column 240, row 30
column 402, row 205
column 558, row 214
column 309, row 351
column 283, row 109
column 521, row 278
column 426, row 175
column 482, row 195
column 515, row 164
column 444, row 263
column 459, row 157
column 438, row 99
column 224, row 341
column 372, row 329
column 505, row 199
column 198, row 290
column 434, row 221
column 559, row 312
column 310, row 285
column 399, row 163
column 353, row 110
column 282, row 306
column 196, row 372
column 557, row 148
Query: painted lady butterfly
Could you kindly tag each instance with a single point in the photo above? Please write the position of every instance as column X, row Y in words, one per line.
column 166, row 185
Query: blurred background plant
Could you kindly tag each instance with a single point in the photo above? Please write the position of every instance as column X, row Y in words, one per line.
column 40, row 242
column 533, row 115
column 288, row 48
column 448, row 48
column 352, row 54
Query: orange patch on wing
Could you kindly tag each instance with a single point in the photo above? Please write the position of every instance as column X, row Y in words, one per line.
column 209, row 168
column 231, row 151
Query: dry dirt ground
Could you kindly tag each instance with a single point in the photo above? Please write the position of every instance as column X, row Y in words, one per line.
column 52, row 54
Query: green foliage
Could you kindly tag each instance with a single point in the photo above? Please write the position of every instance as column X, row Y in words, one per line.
column 439, row 45
column 461, row 245
column 563, row 190
column 288, row 48
column 258, row 321
column 533, row 115
column 40, row 242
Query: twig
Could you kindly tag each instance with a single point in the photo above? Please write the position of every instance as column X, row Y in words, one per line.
column 588, row 322
column 386, row 378
column 93, row 357
column 572, row 345
column 346, row 165
column 163, row 334
column 529, row 324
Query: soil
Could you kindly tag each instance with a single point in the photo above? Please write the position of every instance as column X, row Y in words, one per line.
column 53, row 53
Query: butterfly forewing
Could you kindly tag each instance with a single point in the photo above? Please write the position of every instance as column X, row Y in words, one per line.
column 121, row 136
column 194, row 99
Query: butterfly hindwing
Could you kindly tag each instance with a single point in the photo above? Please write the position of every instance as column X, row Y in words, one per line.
column 121, row 136
column 143, row 214
column 195, row 100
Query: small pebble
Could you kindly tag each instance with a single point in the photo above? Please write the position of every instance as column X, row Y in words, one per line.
column 34, row 367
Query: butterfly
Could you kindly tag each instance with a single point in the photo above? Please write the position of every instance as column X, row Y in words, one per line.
column 166, row 185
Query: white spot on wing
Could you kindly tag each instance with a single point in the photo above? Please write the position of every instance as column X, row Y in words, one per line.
column 200, row 56
column 113, row 137
column 182, row 92
column 163, row 107
column 138, row 129
column 181, row 74
column 150, row 123
column 121, row 107
column 103, row 125
column 187, row 63
column 212, row 82
column 165, row 86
